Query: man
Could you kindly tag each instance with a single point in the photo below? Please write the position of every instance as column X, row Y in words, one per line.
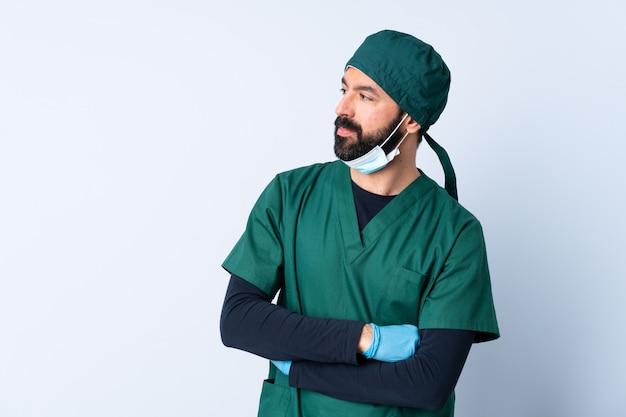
column 364, row 251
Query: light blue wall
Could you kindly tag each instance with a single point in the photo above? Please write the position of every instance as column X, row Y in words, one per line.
column 135, row 137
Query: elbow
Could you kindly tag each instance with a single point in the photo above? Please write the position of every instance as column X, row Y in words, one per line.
column 225, row 336
column 226, row 329
column 230, row 322
column 437, row 398
column 432, row 394
column 433, row 397
column 437, row 403
column 228, row 336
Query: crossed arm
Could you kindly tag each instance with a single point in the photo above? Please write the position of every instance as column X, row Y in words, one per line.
column 325, row 353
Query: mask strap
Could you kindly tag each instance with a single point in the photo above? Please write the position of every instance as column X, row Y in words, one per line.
column 393, row 151
column 394, row 130
column 444, row 159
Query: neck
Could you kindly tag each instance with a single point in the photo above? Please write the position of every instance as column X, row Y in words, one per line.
column 393, row 178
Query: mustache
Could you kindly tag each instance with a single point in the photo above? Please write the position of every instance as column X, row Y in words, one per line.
column 348, row 124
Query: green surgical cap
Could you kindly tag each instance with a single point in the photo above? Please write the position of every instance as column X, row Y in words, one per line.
column 410, row 71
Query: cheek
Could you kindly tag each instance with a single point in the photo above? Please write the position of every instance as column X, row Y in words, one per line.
column 365, row 113
column 372, row 121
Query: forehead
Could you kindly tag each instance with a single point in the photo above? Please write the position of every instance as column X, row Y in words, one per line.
column 354, row 79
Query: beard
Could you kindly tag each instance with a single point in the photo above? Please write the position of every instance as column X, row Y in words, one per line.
column 347, row 150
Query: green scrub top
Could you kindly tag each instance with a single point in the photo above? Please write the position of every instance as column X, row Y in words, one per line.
column 421, row 260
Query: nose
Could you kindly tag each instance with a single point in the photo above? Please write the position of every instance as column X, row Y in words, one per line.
column 344, row 108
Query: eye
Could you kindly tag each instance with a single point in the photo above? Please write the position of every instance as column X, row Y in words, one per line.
column 364, row 97
column 343, row 91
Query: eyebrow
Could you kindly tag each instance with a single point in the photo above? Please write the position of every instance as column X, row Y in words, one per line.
column 367, row 88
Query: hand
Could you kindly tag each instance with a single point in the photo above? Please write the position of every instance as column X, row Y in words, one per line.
column 283, row 366
column 393, row 343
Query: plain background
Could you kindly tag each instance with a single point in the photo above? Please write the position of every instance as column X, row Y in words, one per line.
column 136, row 135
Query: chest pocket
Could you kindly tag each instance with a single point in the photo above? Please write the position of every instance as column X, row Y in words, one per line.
column 402, row 298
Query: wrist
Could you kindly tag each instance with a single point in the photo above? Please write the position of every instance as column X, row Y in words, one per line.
column 365, row 341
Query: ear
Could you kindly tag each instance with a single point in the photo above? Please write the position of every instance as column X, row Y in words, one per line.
column 411, row 125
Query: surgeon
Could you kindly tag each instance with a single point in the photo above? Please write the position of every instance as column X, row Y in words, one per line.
column 381, row 275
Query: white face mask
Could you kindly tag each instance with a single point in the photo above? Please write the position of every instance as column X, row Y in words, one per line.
column 376, row 159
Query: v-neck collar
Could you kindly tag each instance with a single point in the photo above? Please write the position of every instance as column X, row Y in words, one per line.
column 356, row 241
